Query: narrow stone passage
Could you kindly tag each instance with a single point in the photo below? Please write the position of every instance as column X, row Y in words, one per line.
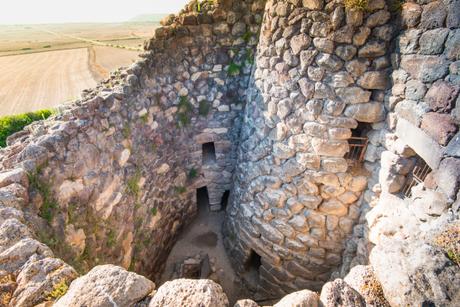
column 202, row 241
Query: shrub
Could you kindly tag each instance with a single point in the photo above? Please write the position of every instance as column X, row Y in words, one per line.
column 204, row 108
column 356, row 4
column 154, row 211
column 132, row 186
column 449, row 241
column 193, row 173
column 49, row 204
column 184, row 109
column 233, row 69
column 180, row 189
column 126, row 131
column 111, row 238
column 59, row 290
column 15, row 123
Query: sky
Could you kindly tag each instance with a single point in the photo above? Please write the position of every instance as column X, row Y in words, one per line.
column 63, row 11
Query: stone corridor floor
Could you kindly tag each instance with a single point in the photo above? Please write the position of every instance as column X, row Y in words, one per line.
column 204, row 235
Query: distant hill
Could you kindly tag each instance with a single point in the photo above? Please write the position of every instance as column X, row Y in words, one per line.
column 148, row 18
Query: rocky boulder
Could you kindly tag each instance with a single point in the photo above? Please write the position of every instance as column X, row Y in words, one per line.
column 304, row 298
column 189, row 292
column 42, row 280
column 337, row 293
column 362, row 279
column 106, row 285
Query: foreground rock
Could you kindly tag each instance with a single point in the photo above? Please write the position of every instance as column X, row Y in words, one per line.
column 305, row 298
column 191, row 293
column 338, row 293
column 362, row 279
column 107, row 285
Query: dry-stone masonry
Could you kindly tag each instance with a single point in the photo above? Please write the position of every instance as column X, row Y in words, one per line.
column 320, row 71
column 262, row 100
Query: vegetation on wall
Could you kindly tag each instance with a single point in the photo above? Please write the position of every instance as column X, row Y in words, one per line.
column 356, row 4
column 450, row 243
column 15, row 123
column 184, row 110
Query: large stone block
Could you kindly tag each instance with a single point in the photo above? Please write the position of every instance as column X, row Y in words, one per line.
column 425, row 68
column 441, row 96
column 420, row 142
column 372, row 112
column 448, row 176
column 439, row 126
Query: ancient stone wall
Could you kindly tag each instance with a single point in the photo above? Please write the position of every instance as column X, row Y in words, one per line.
column 422, row 120
column 321, row 72
column 113, row 177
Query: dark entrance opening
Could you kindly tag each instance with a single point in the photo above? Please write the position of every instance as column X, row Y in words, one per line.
column 254, row 262
column 202, row 199
column 224, row 202
column 209, row 153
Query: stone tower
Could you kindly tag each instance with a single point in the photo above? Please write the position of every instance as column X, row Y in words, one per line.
column 318, row 85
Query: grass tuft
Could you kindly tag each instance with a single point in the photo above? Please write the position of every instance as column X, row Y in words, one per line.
column 449, row 241
column 59, row 290
column 204, row 108
column 357, row 4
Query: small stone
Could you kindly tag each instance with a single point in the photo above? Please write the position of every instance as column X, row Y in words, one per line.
column 366, row 112
column 415, row 90
column 410, row 14
column 432, row 41
column 299, row 43
column 302, row 298
column 323, row 44
column 361, row 36
column 374, row 80
column 378, row 18
column 353, row 95
column 338, row 294
column 347, row 52
column 434, row 15
column 313, row 4
column 372, row 49
column 453, row 45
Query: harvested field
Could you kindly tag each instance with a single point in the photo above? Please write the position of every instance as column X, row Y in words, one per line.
column 42, row 80
column 103, row 60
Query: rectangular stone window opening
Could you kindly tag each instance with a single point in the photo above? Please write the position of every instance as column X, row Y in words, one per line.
column 224, row 201
column 209, row 153
column 358, row 143
column 417, row 176
column 202, row 200
column 253, row 264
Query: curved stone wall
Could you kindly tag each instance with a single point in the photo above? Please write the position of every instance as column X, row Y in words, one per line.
column 320, row 70
column 113, row 177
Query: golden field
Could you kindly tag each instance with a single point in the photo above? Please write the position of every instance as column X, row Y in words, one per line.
column 42, row 66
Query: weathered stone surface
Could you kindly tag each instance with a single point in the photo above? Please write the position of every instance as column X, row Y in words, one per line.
column 338, row 293
column 106, row 285
column 353, row 95
column 362, row 279
column 188, row 292
column 452, row 46
column 38, row 279
column 434, row 15
column 425, row 68
column 448, row 176
column 366, row 112
column 439, row 126
column 417, row 139
column 299, row 43
column 441, row 96
column 374, row 80
column 18, row 254
column 432, row 42
column 305, row 298
column 410, row 14
column 17, row 175
column 246, row 303
column 425, row 274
